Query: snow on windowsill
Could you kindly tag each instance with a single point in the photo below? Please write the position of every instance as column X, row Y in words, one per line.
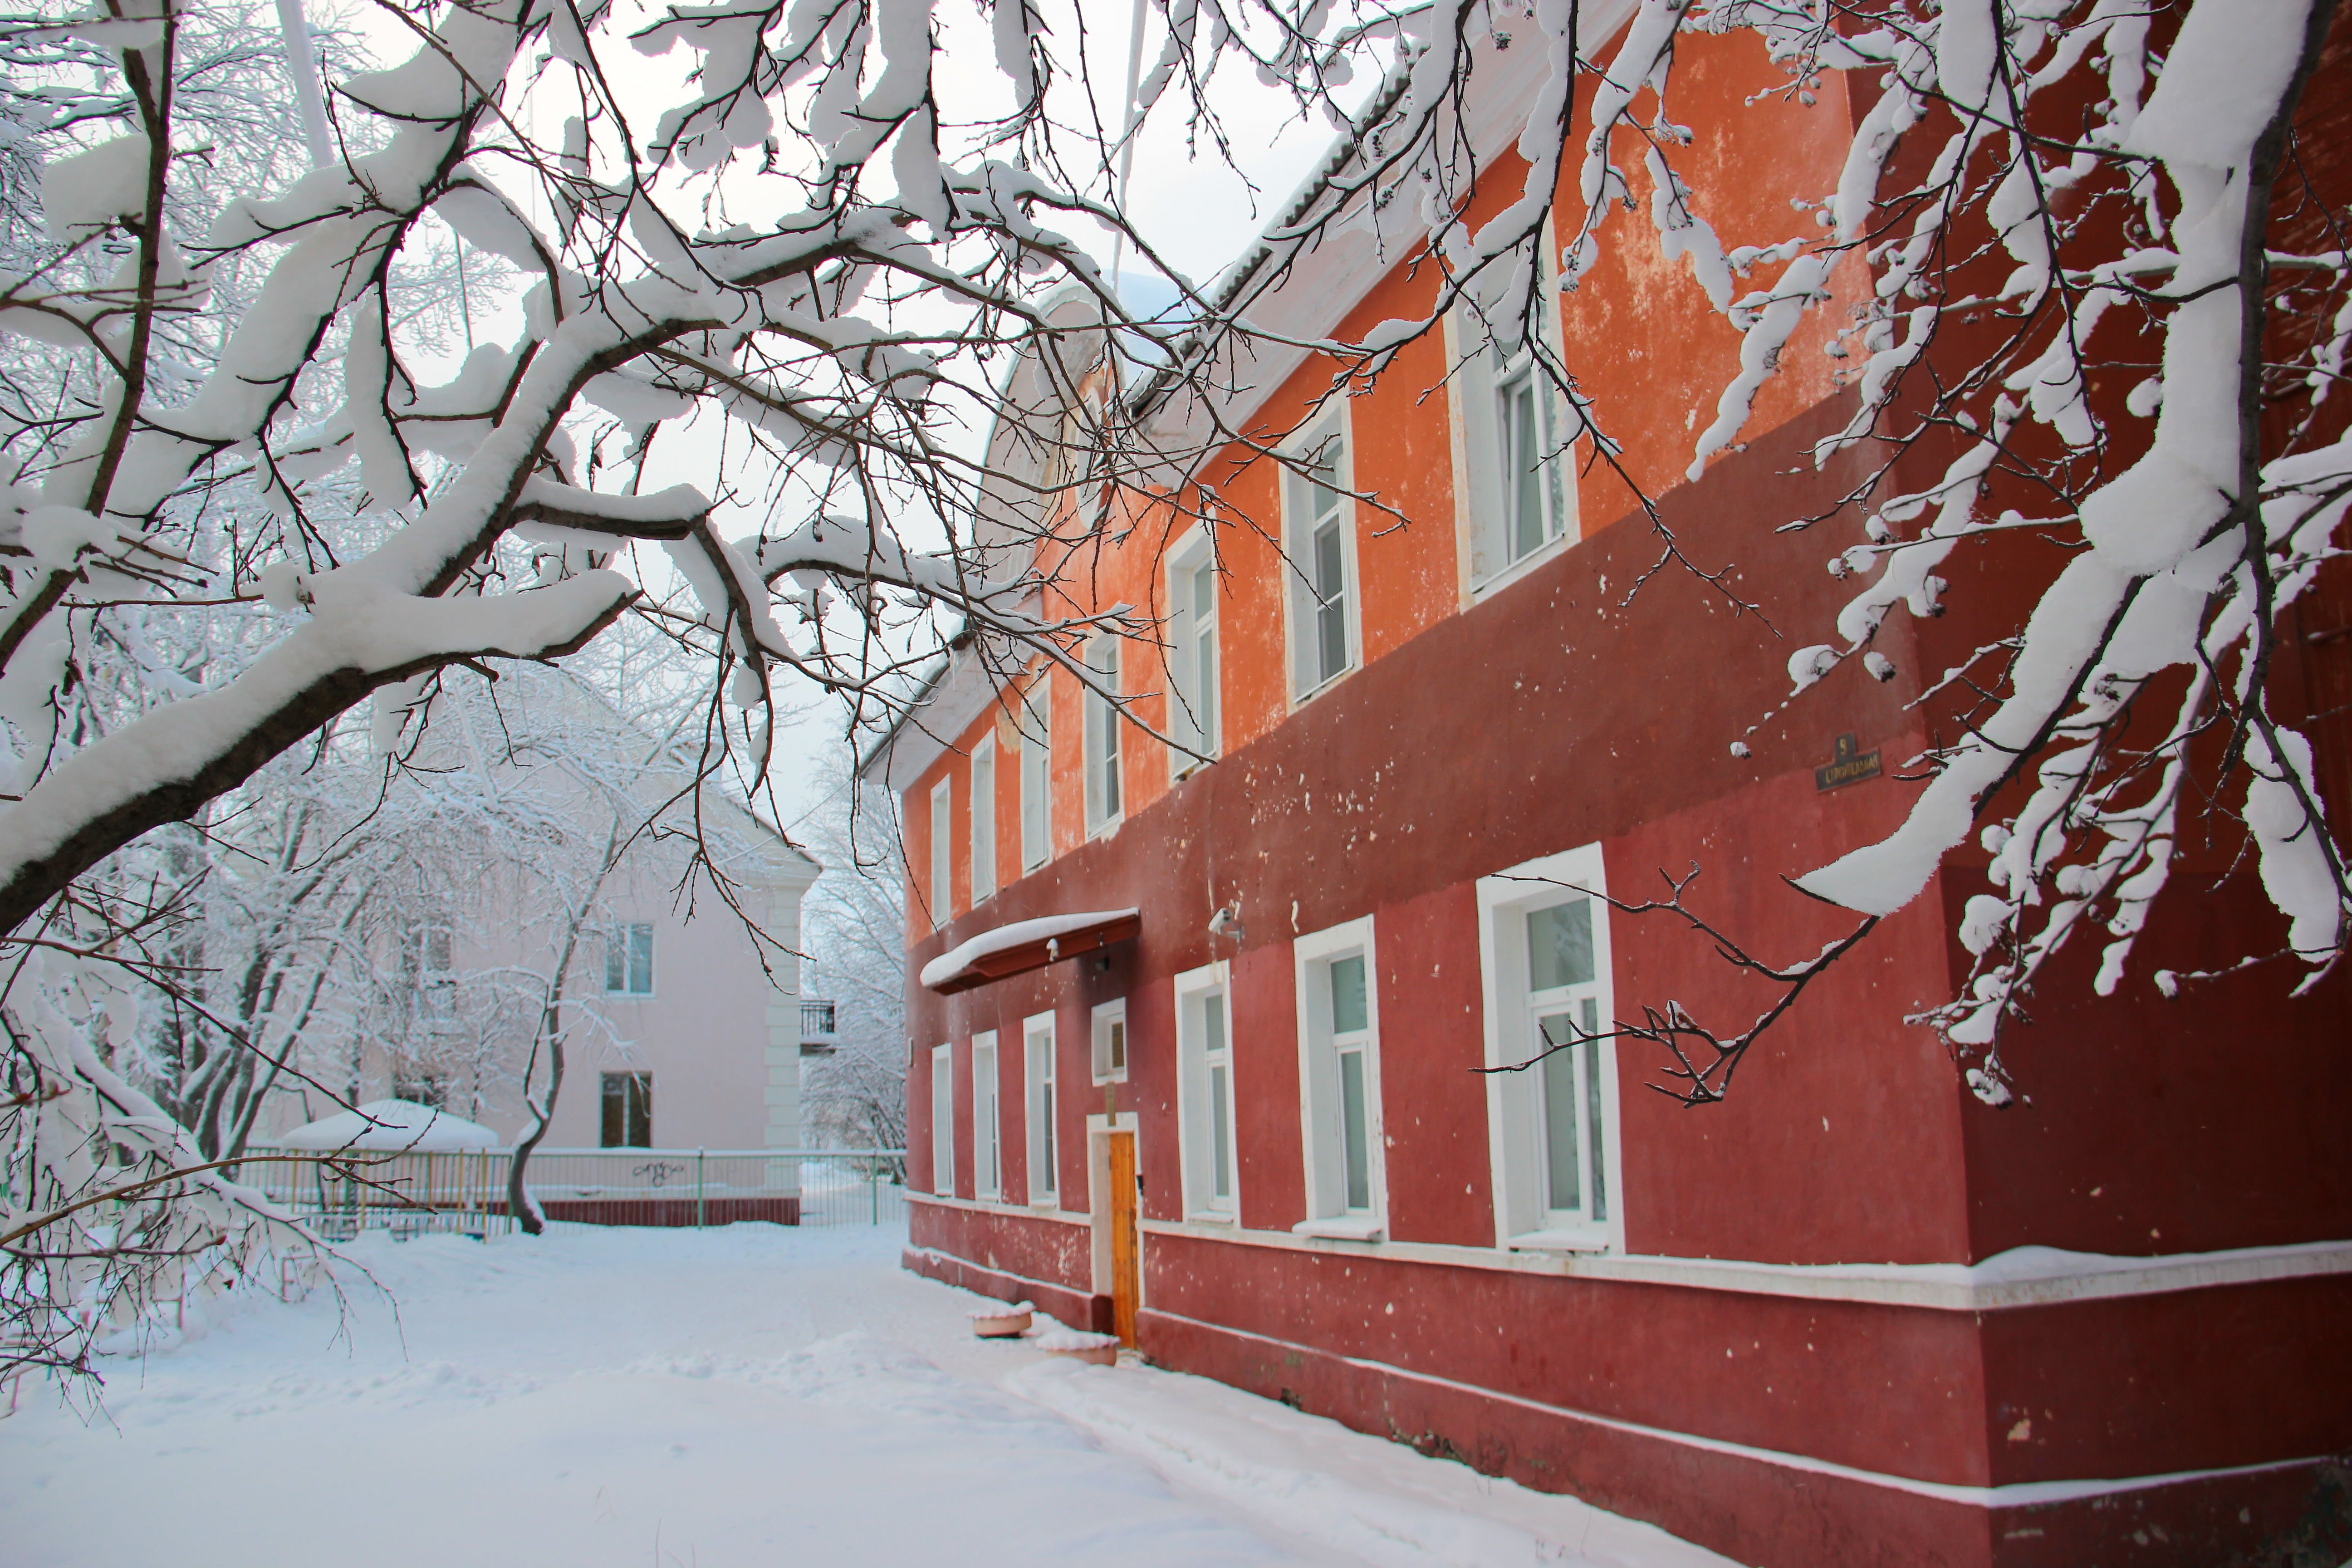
column 1340, row 1227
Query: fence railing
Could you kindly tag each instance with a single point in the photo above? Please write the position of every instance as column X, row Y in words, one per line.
column 466, row 1192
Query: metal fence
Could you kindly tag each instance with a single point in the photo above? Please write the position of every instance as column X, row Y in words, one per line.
column 467, row 1193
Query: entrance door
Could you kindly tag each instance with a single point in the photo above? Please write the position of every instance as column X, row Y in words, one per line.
column 1123, row 1277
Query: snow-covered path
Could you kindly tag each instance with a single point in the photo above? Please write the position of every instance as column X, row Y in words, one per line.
column 750, row 1396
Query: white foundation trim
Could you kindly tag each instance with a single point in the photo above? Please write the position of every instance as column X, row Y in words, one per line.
column 2017, row 1494
column 2022, row 1277
column 1009, row 1210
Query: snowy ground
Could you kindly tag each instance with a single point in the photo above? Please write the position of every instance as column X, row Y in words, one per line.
column 750, row 1396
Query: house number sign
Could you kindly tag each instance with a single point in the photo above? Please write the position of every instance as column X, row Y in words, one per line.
column 1845, row 765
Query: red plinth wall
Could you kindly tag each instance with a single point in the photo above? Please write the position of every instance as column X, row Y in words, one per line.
column 1835, row 1432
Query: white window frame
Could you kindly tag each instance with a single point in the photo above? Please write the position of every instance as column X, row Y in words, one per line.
column 983, row 820
column 1106, row 778
column 942, row 888
column 943, row 1121
column 1321, row 1109
column 1300, row 517
column 1476, row 398
column 1037, row 1074
column 1036, row 723
column 620, row 940
column 1113, row 1045
column 436, row 984
column 987, row 1142
column 1524, row 1217
column 1195, row 656
column 1200, row 1101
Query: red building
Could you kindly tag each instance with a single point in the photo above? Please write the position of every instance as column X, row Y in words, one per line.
column 1227, row 1099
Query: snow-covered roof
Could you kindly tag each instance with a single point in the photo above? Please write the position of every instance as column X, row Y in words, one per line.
column 1023, row 945
column 396, row 1125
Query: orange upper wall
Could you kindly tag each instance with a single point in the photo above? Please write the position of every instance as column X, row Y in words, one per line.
column 1638, row 334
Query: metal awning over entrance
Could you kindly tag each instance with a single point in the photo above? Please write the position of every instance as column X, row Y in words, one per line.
column 1025, row 945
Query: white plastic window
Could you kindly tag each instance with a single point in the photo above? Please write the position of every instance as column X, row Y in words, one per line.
column 987, row 1174
column 1110, row 1042
column 1522, row 491
column 1320, row 539
column 943, row 1121
column 984, row 819
column 1205, row 1091
column 629, row 959
column 1037, row 1053
column 1192, row 655
column 428, row 954
column 942, row 846
column 1102, row 737
column 1347, row 1182
column 1037, row 780
column 1544, row 940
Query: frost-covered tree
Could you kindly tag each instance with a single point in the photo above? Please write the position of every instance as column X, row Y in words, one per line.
column 852, row 927
column 804, row 225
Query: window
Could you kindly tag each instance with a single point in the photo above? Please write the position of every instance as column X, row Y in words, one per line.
column 1036, row 779
column 1110, row 1042
column 430, row 1089
column 628, row 1110
column 1192, row 654
column 629, row 959
column 1037, row 1065
column 943, row 1121
column 1522, row 491
column 940, row 845
column 987, row 1177
column 984, row 819
column 1204, row 1102
column 426, row 958
column 1340, row 1067
column 1544, row 951
column 1318, row 523
column 1102, row 735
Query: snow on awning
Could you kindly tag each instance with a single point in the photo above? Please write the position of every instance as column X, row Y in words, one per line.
column 1025, row 945
column 397, row 1126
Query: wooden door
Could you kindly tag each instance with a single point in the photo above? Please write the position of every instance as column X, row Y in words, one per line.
column 1124, row 1238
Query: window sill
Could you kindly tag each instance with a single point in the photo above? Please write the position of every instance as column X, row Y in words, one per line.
column 1212, row 1216
column 1300, row 699
column 1341, row 1228
column 1558, row 1241
column 1120, row 1076
column 1498, row 580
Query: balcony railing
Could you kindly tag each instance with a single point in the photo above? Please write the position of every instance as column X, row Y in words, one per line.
column 817, row 1022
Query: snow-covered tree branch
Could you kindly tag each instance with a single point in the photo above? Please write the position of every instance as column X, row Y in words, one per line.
column 240, row 390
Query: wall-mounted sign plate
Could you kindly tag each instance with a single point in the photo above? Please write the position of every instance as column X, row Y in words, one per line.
column 1845, row 765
